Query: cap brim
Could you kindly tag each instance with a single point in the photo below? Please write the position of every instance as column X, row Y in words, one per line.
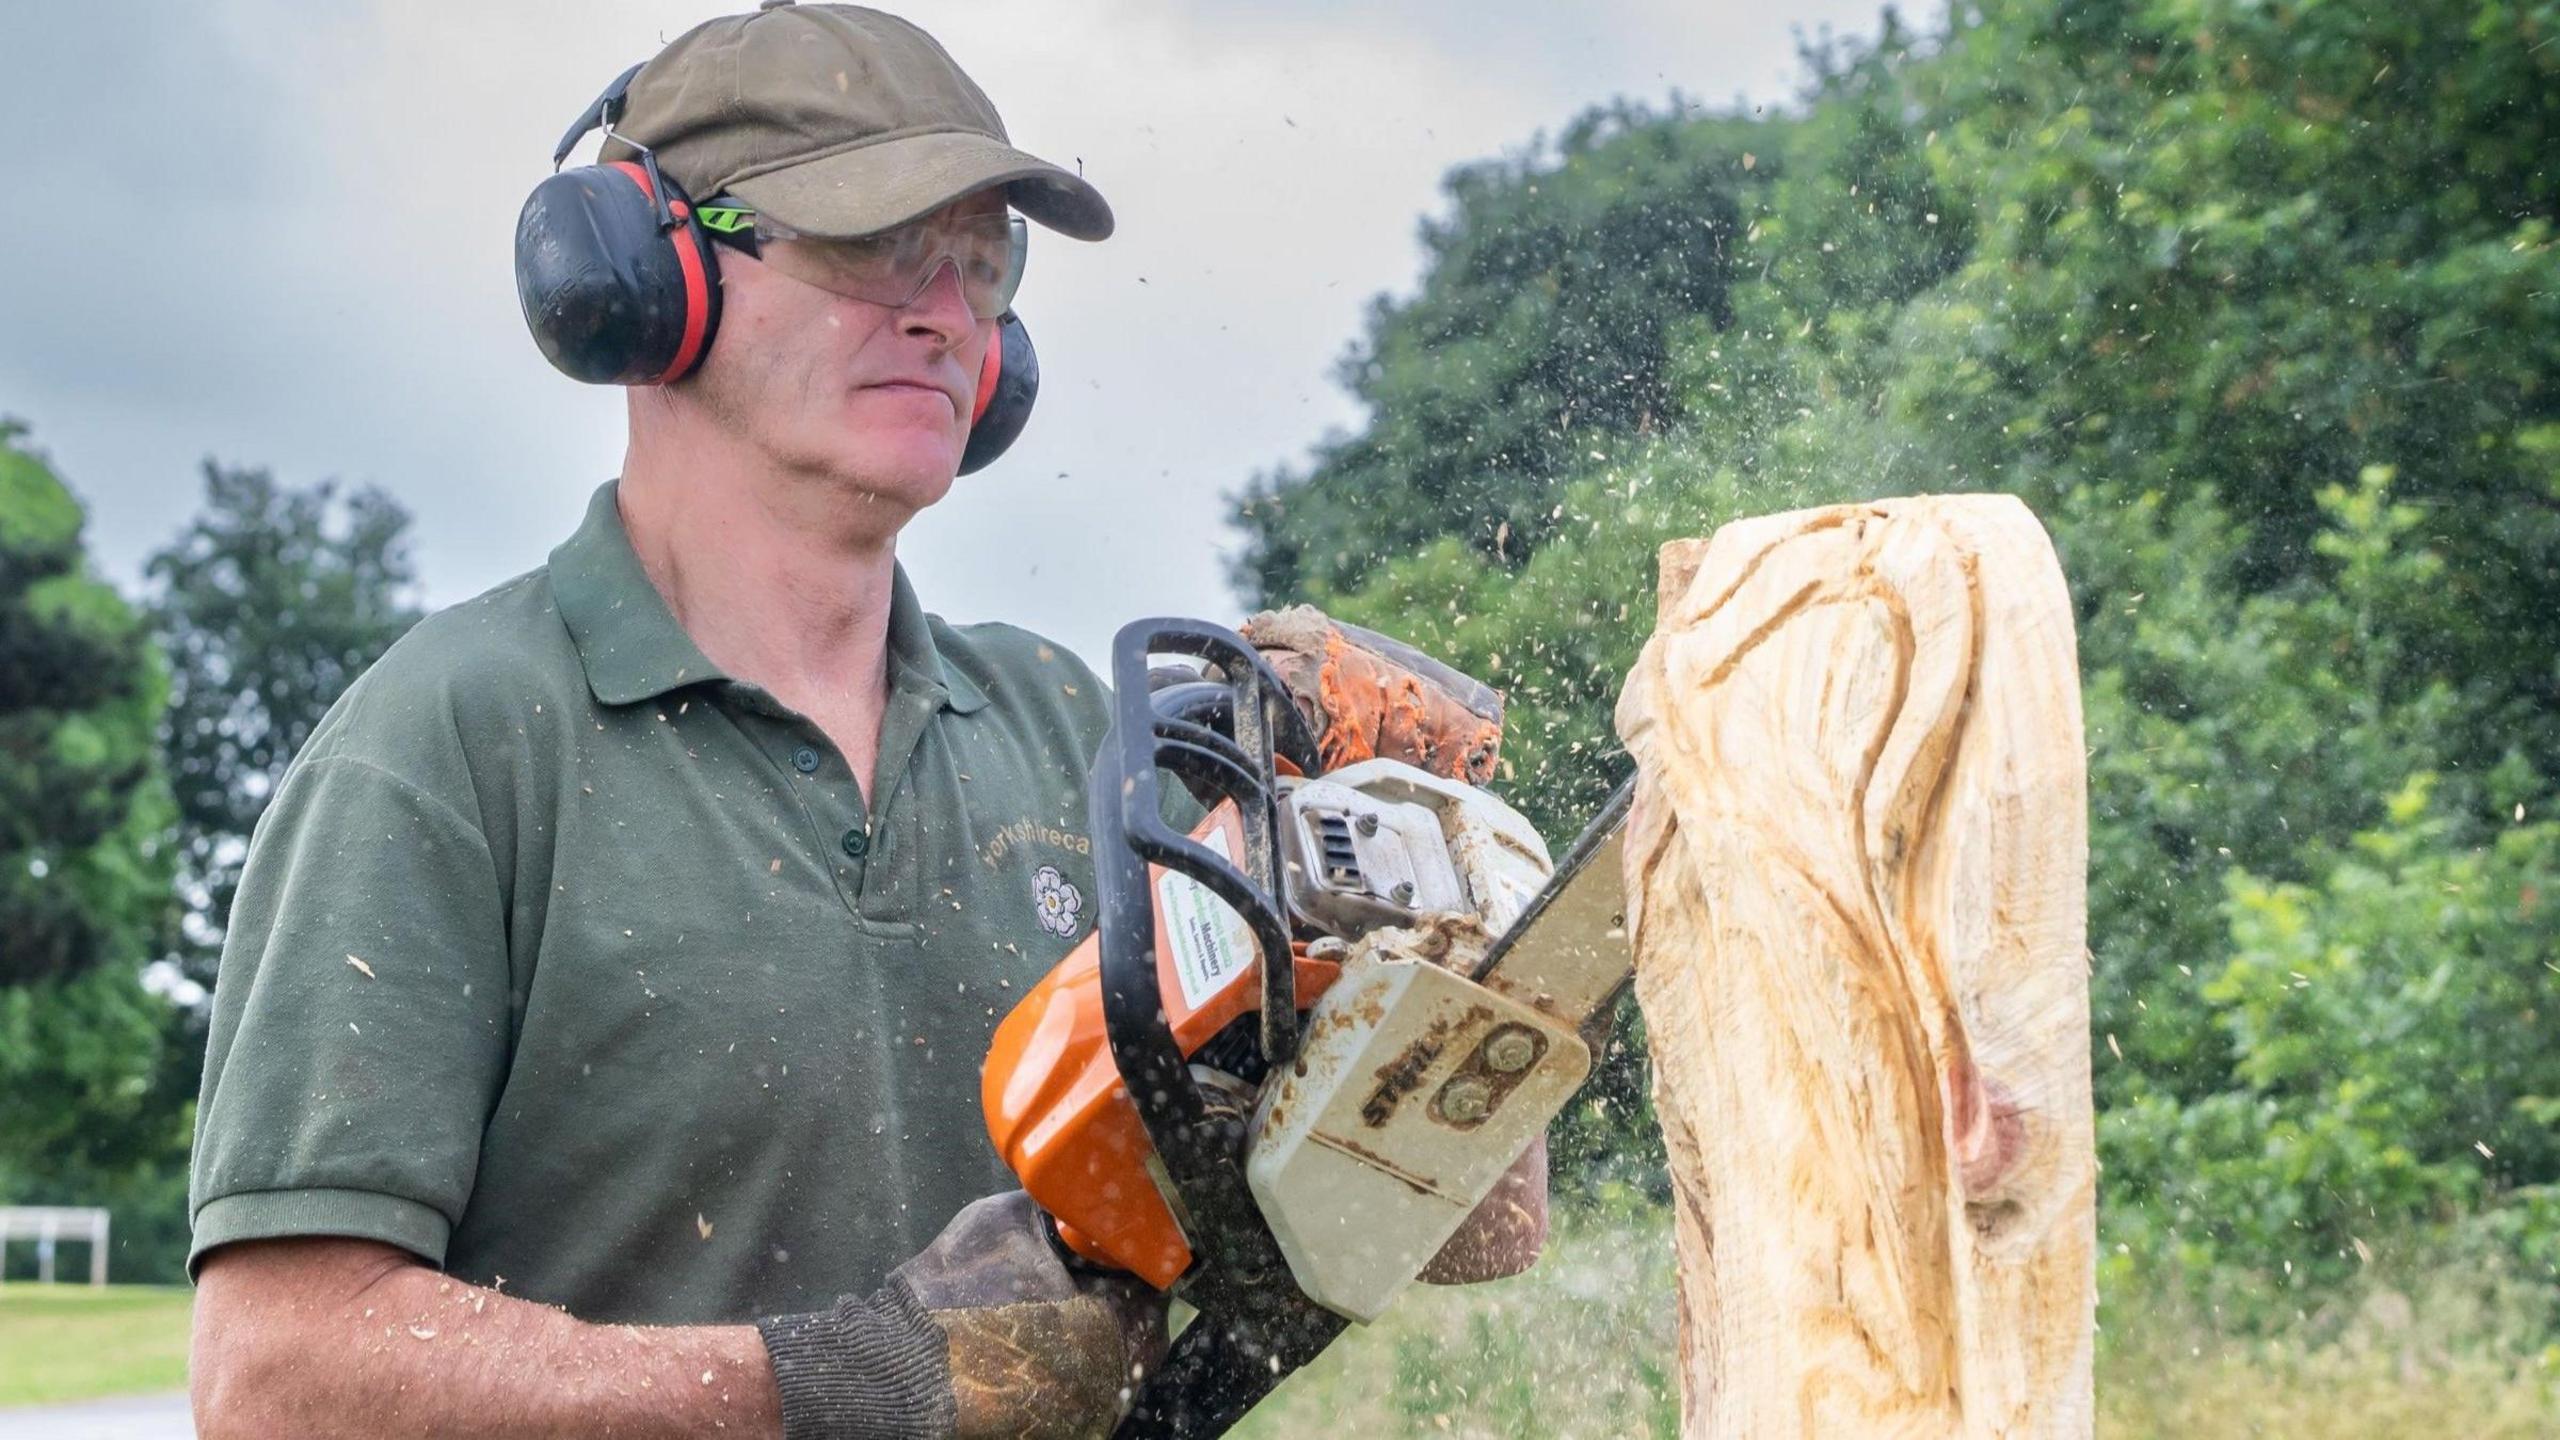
column 870, row 188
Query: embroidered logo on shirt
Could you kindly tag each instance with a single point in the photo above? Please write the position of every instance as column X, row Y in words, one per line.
column 1029, row 832
column 1060, row 903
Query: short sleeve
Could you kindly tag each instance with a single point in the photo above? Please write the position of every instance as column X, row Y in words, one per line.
column 361, row 1020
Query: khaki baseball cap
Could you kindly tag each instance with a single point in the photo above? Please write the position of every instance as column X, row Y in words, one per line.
column 837, row 121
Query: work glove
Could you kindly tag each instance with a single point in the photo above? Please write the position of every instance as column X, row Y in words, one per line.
column 989, row 1332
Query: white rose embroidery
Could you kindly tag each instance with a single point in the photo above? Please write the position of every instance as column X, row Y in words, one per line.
column 1060, row 902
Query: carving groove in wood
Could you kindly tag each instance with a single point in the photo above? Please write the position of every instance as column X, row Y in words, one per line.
column 1856, row 877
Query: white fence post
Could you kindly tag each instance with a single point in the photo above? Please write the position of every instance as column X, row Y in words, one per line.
column 47, row 1225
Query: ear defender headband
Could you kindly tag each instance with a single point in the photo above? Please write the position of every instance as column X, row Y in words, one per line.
column 620, row 282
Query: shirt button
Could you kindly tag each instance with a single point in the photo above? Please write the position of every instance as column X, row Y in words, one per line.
column 855, row 843
column 805, row 760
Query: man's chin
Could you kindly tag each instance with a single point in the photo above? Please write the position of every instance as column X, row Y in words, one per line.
column 913, row 474
column 897, row 446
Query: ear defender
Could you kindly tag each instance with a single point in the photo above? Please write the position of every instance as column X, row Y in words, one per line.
column 1008, row 381
column 617, row 284
column 620, row 284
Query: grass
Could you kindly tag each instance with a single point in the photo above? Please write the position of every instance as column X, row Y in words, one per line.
column 1585, row 1345
column 1581, row 1346
column 2453, row 1348
column 72, row 1342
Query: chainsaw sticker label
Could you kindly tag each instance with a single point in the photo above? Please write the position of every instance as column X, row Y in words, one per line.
column 1211, row 944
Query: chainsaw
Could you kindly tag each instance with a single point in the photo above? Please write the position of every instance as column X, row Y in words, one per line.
column 1312, row 1028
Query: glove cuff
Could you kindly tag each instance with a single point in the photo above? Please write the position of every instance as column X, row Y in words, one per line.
column 876, row 1369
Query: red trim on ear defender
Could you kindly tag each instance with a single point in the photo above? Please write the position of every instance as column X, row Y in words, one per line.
column 697, row 290
column 697, row 303
column 990, row 370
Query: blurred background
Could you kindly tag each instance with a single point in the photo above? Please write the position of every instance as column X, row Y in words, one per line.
column 1443, row 316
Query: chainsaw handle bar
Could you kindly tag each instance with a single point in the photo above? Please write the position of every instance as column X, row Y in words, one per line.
column 1229, row 758
column 1220, row 737
column 1179, row 731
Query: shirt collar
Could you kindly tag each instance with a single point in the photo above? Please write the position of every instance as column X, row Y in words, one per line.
column 633, row 649
column 911, row 649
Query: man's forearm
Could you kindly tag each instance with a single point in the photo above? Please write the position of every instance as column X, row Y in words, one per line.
column 349, row 1338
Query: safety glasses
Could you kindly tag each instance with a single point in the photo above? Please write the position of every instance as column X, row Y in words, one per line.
column 893, row 267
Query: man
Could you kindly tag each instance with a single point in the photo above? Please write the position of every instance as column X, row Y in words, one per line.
column 602, row 1011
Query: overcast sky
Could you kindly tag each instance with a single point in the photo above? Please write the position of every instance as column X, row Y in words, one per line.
column 279, row 234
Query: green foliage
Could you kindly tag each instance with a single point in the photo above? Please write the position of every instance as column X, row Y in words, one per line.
column 1556, row 287
column 83, row 878
column 93, row 1094
column 2389, row 1059
column 78, row 1062
column 97, row 1087
column 270, row 603
column 2258, row 305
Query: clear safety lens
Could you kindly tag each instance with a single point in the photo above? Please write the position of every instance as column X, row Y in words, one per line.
column 893, row 268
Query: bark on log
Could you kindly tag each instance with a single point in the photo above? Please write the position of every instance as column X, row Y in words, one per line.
column 1856, row 877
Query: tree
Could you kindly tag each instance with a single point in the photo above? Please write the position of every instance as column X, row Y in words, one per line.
column 82, row 874
column 270, row 603
column 93, row 1103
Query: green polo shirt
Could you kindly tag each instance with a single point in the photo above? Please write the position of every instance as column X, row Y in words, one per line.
column 568, row 963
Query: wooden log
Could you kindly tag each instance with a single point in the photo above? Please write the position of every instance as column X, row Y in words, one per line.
column 1856, row 879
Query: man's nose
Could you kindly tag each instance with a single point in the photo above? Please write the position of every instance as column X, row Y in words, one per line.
column 941, row 308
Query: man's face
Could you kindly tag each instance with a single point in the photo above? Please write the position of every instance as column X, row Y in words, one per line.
column 872, row 397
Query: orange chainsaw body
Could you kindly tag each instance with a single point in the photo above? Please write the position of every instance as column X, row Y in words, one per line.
column 1059, row 1114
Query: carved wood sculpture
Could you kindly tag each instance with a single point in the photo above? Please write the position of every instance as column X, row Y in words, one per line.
column 1856, row 881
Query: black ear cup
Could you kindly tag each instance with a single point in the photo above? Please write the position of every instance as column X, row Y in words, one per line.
column 1008, row 381
column 614, row 294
